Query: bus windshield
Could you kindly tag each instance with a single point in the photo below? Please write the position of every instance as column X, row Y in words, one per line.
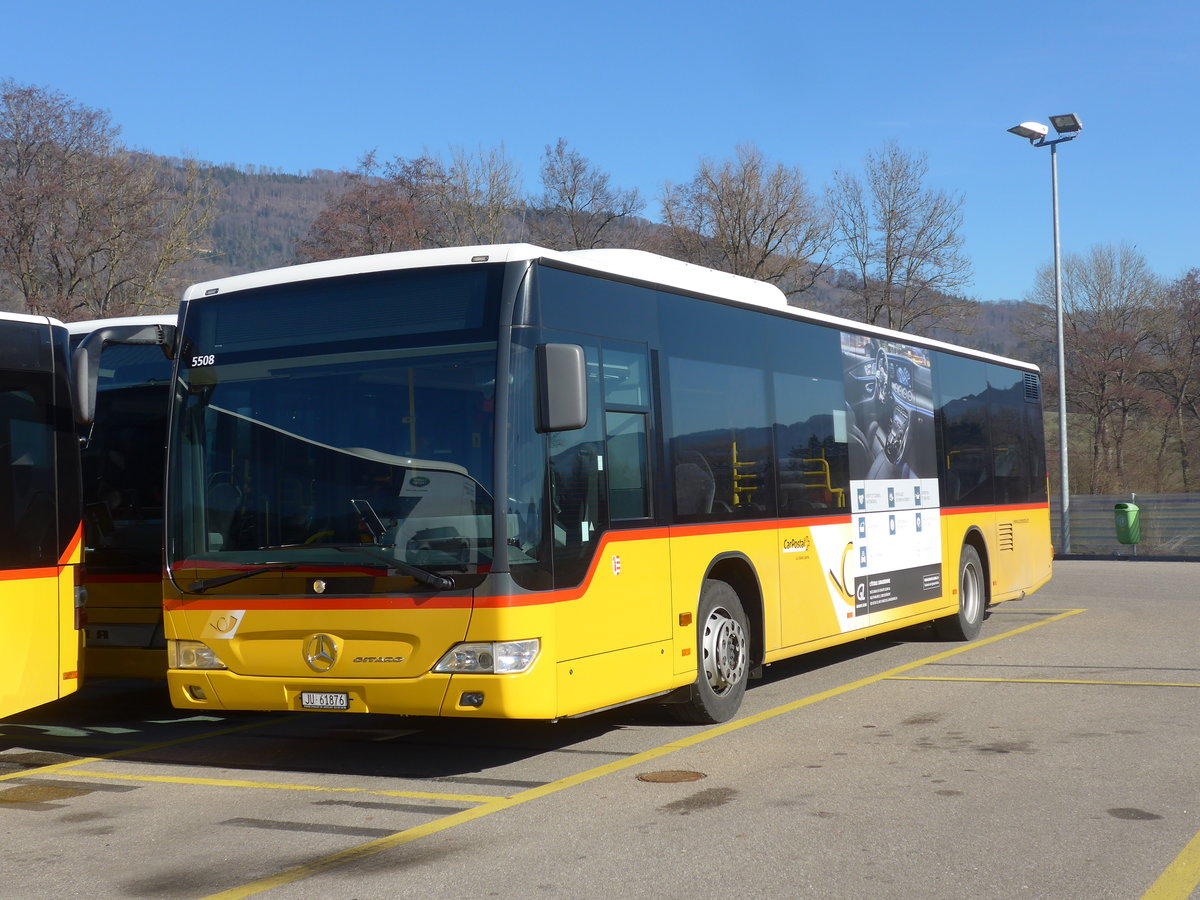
column 342, row 430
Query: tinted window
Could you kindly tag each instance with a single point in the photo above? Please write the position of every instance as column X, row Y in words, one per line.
column 312, row 414
column 419, row 305
column 810, row 420
column 628, row 465
column 124, row 460
column 963, row 407
column 718, row 428
column 584, row 303
column 993, row 449
column 529, row 548
column 576, row 488
column 1016, row 446
column 627, row 426
column 28, row 495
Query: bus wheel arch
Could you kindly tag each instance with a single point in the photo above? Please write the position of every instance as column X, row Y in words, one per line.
column 738, row 572
column 972, row 589
column 728, row 642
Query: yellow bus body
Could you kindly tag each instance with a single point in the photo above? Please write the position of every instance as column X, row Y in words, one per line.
column 37, row 607
column 125, row 627
column 626, row 633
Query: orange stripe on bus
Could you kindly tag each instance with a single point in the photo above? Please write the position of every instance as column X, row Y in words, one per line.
column 566, row 595
column 72, row 547
column 30, row 574
column 53, row 571
column 502, row 601
column 977, row 510
column 225, row 601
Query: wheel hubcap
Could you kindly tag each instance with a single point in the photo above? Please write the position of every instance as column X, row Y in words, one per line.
column 725, row 651
column 971, row 593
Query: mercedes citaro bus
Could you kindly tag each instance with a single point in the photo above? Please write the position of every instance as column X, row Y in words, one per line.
column 508, row 482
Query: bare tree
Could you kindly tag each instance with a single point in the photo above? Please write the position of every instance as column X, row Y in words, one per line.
column 579, row 204
column 474, row 196
column 383, row 210
column 1175, row 344
column 88, row 228
column 902, row 242
column 744, row 216
column 407, row 204
column 1108, row 296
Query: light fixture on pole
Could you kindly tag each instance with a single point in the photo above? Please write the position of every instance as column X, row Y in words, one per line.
column 1067, row 127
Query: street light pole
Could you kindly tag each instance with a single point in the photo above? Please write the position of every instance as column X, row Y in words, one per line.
column 1068, row 128
column 1063, row 477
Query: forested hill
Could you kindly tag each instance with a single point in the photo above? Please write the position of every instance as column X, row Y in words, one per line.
column 261, row 214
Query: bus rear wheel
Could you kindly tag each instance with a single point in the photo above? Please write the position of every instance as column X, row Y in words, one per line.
column 972, row 600
column 723, row 647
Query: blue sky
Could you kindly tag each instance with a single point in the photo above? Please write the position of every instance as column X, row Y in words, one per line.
column 644, row 89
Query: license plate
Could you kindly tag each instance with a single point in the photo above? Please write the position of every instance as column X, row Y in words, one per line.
column 324, row 700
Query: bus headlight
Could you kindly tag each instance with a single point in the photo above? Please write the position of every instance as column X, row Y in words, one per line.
column 192, row 655
column 497, row 657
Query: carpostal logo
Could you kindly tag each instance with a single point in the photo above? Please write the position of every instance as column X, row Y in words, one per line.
column 795, row 545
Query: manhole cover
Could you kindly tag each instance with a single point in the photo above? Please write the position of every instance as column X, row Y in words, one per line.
column 671, row 776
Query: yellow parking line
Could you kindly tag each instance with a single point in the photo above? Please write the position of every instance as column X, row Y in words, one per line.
column 141, row 748
column 279, row 786
column 333, row 861
column 1181, row 877
column 1175, row 684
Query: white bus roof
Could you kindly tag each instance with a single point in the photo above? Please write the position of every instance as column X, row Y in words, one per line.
column 637, row 265
column 29, row 319
column 92, row 324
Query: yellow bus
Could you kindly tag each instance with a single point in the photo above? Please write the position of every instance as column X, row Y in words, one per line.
column 41, row 602
column 123, row 457
column 509, row 482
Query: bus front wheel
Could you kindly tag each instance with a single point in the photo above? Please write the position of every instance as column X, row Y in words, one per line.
column 723, row 648
column 972, row 600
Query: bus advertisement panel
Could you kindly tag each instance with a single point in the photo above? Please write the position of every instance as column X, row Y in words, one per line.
column 893, row 474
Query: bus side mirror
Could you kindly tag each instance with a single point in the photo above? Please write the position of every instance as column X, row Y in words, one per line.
column 85, row 361
column 561, row 387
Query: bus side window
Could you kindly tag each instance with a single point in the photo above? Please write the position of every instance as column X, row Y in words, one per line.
column 961, row 401
column 811, row 434
column 720, row 446
column 31, row 517
column 626, row 417
column 576, row 489
column 628, row 490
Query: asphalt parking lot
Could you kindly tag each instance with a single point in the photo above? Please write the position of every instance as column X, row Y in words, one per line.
column 1055, row 757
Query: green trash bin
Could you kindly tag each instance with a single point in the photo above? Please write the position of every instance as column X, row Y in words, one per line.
column 1129, row 526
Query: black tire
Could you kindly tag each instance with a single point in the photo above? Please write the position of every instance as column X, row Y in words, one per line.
column 972, row 600
column 723, row 657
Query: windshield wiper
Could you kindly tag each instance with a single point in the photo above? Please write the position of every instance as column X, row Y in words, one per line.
column 199, row 587
column 425, row 576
